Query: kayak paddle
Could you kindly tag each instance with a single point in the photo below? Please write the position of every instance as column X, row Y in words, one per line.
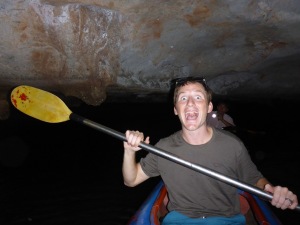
column 47, row 107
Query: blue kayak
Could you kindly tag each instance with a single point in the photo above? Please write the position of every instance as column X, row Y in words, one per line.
column 256, row 211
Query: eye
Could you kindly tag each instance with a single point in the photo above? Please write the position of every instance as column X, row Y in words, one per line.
column 198, row 97
column 183, row 98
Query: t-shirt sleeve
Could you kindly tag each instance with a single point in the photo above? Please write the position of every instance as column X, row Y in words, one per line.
column 149, row 165
column 229, row 119
column 247, row 170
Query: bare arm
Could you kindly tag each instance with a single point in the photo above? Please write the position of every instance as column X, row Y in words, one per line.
column 261, row 183
column 132, row 171
column 227, row 123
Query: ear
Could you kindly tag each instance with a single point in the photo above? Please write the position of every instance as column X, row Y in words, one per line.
column 175, row 111
column 210, row 107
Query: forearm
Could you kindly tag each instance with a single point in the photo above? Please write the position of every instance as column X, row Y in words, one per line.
column 261, row 183
column 129, row 168
column 132, row 171
column 227, row 123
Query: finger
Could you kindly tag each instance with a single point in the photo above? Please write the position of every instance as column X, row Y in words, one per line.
column 289, row 201
column 127, row 133
column 295, row 203
column 283, row 198
column 269, row 188
column 137, row 137
column 130, row 139
column 279, row 196
column 136, row 140
column 292, row 200
column 147, row 141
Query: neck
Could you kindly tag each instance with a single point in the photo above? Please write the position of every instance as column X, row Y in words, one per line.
column 197, row 137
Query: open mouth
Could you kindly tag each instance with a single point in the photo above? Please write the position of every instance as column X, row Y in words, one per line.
column 191, row 115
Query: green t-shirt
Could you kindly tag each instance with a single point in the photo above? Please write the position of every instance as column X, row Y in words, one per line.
column 195, row 194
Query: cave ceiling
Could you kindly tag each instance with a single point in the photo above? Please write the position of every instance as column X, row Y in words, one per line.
column 98, row 50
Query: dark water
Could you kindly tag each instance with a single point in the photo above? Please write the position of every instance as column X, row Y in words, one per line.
column 69, row 173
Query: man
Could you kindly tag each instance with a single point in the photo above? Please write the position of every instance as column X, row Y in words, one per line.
column 219, row 118
column 193, row 197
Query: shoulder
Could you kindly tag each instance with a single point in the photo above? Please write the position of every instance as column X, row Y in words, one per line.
column 226, row 135
column 229, row 142
column 227, row 116
column 170, row 140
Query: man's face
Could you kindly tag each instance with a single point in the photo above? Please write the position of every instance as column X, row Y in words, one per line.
column 222, row 108
column 191, row 106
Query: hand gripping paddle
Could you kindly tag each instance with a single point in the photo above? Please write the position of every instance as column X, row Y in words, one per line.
column 49, row 108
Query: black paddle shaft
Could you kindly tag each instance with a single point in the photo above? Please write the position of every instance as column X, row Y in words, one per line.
column 162, row 153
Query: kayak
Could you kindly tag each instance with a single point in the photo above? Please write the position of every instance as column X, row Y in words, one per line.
column 153, row 209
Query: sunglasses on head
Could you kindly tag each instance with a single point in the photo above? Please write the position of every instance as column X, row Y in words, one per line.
column 183, row 80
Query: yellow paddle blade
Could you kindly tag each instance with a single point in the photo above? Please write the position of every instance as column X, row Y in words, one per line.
column 40, row 104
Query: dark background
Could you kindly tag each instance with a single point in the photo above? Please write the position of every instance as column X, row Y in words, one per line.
column 69, row 173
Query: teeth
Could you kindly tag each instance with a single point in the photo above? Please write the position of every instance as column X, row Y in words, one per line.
column 191, row 112
column 191, row 115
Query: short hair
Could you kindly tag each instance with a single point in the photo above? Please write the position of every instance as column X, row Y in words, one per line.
column 179, row 82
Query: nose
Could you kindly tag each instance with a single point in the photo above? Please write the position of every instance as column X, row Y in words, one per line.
column 190, row 101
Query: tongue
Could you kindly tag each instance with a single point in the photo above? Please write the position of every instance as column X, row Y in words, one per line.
column 191, row 116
